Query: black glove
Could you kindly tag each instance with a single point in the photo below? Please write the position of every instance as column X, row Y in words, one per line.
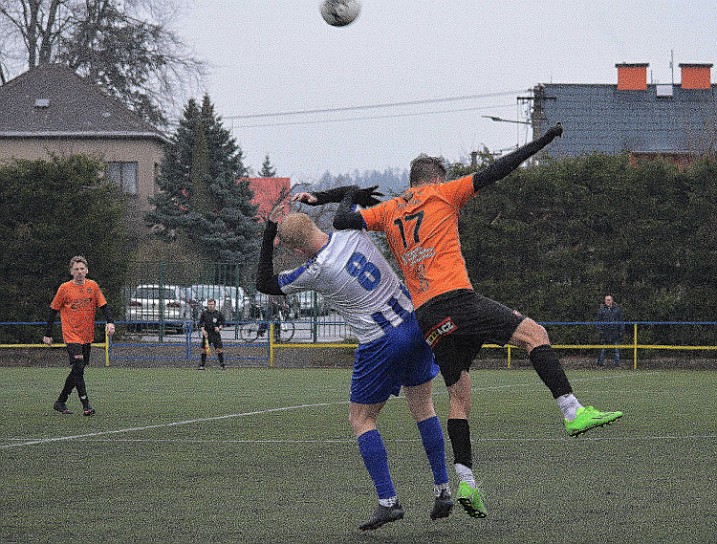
column 367, row 197
column 363, row 197
column 554, row 131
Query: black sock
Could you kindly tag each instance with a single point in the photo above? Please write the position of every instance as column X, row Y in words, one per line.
column 204, row 358
column 547, row 365
column 460, row 436
column 221, row 358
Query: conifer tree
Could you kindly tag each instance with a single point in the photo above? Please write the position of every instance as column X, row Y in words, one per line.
column 201, row 199
column 267, row 169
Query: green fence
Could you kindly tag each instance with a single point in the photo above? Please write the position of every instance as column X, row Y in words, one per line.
column 169, row 296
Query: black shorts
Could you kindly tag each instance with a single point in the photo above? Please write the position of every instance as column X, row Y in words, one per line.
column 457, row 324
column 213, row 339
column 79, row 349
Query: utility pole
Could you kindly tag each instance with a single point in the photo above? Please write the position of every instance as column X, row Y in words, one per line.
column 538, row 114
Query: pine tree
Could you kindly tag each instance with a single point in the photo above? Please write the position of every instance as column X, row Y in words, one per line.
column 171, row 204
column 267, row 170
column 201, row 200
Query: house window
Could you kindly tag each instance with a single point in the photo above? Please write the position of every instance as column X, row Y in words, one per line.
column 123, row 174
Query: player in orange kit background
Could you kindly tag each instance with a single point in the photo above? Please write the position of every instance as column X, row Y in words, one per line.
column 77, row 301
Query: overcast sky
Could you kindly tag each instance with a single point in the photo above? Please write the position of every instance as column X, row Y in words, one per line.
column 457, row 61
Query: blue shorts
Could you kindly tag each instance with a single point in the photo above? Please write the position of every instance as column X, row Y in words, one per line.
column 401, row 357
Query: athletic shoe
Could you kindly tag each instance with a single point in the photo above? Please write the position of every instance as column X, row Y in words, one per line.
column 471, row 501
column 88, row 411
column 61, row 407
column 200, row 368
column 587, row 418
column 382, row 516
column 222, row 367
column 443, row 506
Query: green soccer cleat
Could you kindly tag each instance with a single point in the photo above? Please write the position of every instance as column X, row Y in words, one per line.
column 471, row 501
column 587, row 418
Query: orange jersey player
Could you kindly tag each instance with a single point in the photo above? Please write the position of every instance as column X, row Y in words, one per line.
column 77, row 305
column 421, row 227
column 77, row 301
column 422, row 230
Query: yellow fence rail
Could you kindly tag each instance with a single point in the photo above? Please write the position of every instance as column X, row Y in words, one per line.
column 635, row 346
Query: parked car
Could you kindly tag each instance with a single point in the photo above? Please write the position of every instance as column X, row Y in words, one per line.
column 151, row 304
column 230, row 299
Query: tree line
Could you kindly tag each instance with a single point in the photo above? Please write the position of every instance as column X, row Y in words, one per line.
column 552, row 240
column 549, row 240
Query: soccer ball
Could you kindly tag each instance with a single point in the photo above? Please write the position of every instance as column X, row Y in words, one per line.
column 340, row 12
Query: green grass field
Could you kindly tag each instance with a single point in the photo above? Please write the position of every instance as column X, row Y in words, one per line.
column 267, row 456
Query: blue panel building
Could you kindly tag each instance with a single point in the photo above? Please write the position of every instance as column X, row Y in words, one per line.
column 676, row 121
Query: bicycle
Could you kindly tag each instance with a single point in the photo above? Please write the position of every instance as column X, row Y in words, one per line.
column 283, row 328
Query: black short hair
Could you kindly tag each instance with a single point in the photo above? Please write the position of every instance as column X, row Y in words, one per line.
column 424, row 168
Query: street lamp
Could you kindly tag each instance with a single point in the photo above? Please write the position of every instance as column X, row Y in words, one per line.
column 501, row 120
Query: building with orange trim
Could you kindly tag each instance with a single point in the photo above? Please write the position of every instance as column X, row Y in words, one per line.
column 676, row 121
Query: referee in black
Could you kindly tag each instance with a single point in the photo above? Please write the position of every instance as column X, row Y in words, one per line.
column 210, row 324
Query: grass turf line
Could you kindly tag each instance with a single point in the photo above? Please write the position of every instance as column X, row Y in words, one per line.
column 266, row 455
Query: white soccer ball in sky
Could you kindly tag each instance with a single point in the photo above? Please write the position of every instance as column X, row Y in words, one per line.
column 340, row 12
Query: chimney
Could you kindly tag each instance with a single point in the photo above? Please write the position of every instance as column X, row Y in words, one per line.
column 632, row 77
column 695, row 76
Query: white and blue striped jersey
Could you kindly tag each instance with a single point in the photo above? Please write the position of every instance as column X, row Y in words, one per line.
column 355, row 278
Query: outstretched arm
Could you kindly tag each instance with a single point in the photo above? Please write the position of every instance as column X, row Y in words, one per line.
column 266, row 281
column 505, row 165
column 345, row 217
column 364, row 197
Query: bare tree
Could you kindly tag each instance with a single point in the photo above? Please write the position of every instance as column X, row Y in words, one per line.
column 126, row 46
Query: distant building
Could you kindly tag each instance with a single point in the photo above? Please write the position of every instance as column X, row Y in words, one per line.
column 645, row 120
column 268, row 192
column 51, row 110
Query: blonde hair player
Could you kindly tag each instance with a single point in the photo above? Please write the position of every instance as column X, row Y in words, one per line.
column 351, row 274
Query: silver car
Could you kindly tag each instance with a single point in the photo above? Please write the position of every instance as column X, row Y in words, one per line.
column 152, row 304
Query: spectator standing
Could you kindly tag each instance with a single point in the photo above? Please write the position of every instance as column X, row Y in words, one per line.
column 611, row 326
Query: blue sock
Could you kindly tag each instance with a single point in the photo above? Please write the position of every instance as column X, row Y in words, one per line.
column 435, row 446
column 375, row 459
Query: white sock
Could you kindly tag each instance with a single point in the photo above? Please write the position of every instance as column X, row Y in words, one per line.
column 438, row 489
column 465, row 474
column 388, row 502
column 568, row 405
